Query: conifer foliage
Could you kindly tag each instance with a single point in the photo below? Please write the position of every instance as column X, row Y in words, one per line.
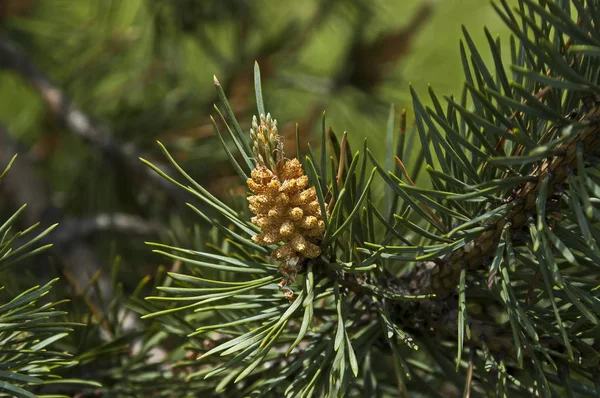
column 29, row 327
column 339, row 275
column 480, row 281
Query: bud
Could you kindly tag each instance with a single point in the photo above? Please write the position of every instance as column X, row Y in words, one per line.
column 267, row 144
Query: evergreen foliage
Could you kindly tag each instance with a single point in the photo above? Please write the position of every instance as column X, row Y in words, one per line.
column 479, row 279
column 483, row 279
column 29, row 329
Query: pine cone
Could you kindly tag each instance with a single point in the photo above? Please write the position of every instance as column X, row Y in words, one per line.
column 286, row 211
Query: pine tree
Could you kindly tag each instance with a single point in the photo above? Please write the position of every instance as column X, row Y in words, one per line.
column 481, row 281
column 462, row 261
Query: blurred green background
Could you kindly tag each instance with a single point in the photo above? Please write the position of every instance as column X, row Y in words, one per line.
column 142, row 70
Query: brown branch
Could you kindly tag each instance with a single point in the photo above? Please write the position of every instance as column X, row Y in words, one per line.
column 427, row 318
column 438, row 317
column 125, row 156
column 444, row 277
column 72, row 229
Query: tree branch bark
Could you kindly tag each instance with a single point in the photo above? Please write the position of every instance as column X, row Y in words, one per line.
column 125, row 156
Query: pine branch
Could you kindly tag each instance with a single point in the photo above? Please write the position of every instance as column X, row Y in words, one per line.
column 553, row 172
column 74, row 229
column 500, row 247
column 124, row 156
